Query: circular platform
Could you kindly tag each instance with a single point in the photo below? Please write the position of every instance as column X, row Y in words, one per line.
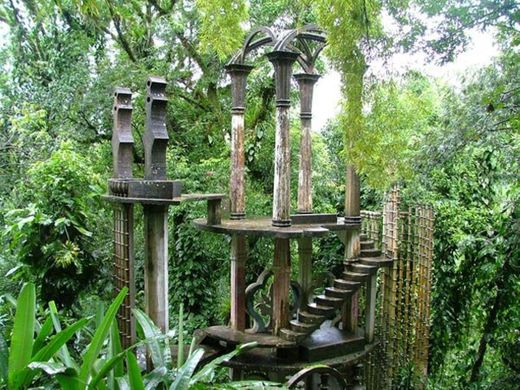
column 308, row 225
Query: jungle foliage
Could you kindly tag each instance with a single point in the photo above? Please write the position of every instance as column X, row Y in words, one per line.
column 454, row 147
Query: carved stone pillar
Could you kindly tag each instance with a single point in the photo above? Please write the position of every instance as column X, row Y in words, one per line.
column 156, row 217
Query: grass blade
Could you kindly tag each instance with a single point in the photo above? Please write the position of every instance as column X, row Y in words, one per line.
column 22, row 336
column 99, row 336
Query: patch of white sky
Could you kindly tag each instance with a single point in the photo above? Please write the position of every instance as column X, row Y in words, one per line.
column 479, row 53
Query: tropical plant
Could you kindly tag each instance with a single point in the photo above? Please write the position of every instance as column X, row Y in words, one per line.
column 101, row 364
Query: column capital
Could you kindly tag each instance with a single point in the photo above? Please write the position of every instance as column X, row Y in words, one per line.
column 282, row 62
column 306, row 83
column 238, row 74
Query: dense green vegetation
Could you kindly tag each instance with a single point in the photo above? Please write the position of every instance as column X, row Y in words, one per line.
column 454, row 147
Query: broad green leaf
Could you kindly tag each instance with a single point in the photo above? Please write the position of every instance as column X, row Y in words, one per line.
column 184, row 374
column 123, row 384
column 51, row 368
column 100, row 336
column 45, row 331
column 70, row 382
column 23, row 332
column 110, row 364
column 155, row 377
column 151, row 333
column 134, row 372
column 48, row 351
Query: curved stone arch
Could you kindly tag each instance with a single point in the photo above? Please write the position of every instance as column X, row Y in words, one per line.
column 307, row 57
column 309, row 32
column 250, row 44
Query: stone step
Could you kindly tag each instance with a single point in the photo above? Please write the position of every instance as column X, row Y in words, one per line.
column 338, row 292
column 362, row 268
column 325, row 311
column 324, row 300
column 368, row 244
column 290, row 335
column 370, row 253
column 346, row 284
column 355, row 276
column 301, row 327
column 381, row 261
column 309, row 318
column 363, row 237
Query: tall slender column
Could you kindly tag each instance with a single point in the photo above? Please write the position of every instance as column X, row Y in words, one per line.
column 282, row 62
column 238, row 73
column 122, row 150
column 306, row 84
column 156, row 217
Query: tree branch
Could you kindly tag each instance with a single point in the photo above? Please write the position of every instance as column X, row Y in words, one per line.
column 120, row 36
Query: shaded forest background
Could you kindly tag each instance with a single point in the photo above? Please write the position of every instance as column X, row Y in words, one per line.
column 456, row 148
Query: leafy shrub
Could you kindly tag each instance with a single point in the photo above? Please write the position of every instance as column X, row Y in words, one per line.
column 52, row 232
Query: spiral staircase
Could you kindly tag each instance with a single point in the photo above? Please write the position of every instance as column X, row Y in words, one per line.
column 325, row 306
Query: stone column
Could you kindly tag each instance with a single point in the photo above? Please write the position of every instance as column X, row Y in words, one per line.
column 156, row 217
column 238, row 74
column 306, row 84
column 282, row 62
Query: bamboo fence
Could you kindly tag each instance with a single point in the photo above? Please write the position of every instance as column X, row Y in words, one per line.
column 403, row 294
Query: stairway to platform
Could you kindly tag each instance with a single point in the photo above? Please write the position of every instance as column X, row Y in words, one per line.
column 326, row 305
